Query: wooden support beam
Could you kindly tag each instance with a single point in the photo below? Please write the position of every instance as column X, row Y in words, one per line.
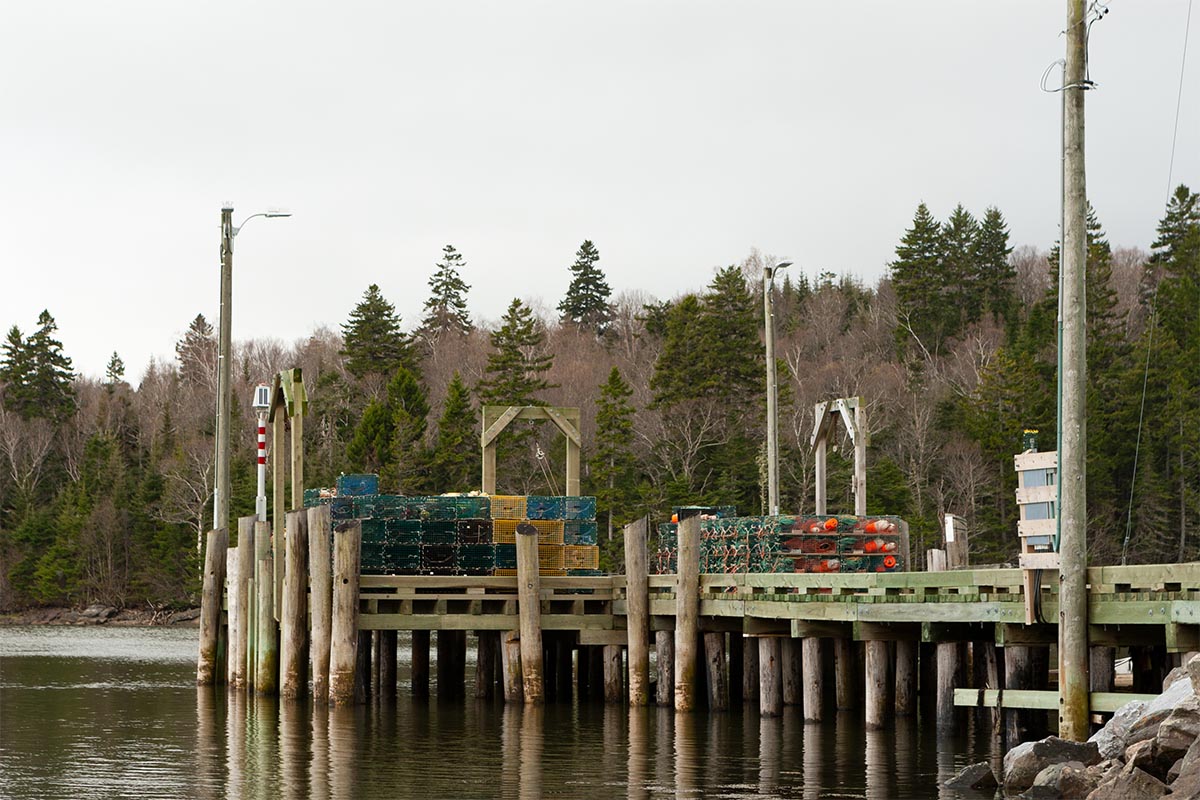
column 1043, row 699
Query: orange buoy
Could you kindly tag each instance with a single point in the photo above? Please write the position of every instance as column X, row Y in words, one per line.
column 675, row 518
column 831, row 524
column 889, row 562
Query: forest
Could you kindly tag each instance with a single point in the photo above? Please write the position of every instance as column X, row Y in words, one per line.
column 106, row 487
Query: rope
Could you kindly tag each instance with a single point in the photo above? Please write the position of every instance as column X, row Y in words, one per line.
column 541, row 459
column 1154, row 297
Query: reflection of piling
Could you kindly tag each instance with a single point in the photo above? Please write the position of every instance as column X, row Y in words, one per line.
column 343, row 653
column 687, row 613
column 320, row 577
column 637, row 614
column 208, row 666
column 293, row 652
column 635, row 770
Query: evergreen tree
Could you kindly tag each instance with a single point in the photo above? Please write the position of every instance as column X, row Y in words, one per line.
column 114, row 373
column 39, row 383
column 410, row 410
column 586, row 302
column 370, row 449
column 197, row 355
column 446, row 308
column 372, row 340
column 996, row 274
column 517, row 365
column 455, row 466
column 960, row 273
column 923, row 313
column 613, row 468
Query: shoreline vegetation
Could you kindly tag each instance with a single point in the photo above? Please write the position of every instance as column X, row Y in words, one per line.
column 98, row 614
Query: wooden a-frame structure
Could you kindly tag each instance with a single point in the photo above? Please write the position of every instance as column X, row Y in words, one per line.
column 497, row 418
column 854, row 417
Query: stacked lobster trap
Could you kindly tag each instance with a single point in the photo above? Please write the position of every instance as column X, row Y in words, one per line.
column 462, row 534
column 784, row 543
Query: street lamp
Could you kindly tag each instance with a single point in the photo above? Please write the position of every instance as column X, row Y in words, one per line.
column 224, row 390
column 772, row 391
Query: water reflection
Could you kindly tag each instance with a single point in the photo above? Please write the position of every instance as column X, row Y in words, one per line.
column 531, row 752
column 637, row 773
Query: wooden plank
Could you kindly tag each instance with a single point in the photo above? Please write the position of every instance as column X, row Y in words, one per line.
column 493, row 430
column 1101, row 702
column 886, row 632
column 806, row 629
column 482, row 622
column 1008, row 634
column 605, row 637
column 568, row 427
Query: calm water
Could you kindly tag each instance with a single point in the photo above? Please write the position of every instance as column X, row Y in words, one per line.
column 88, row 712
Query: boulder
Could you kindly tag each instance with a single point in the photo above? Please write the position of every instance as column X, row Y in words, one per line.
column 1187, row 780
column 92, row 611
column 1135, row 785
column 1141, row 755
column 1025, row 761
column 184, row 616
column 1051, row 781
column 1110, row 739
column 976, row 776
column 1178, row 731
column 1076, row 782
column 1193, row 671
column 1177, row 674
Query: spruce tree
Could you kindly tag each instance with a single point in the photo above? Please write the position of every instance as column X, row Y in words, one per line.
column 370, row 448
column 613, row 466
column 372, row 340
column 586, row 302
column 960, row 273
column 517, row 365
column 919, row 281
column 114, row 373
column 39, row 382
column 455, row 465
column 197, row 355
column 997, row 277
column 409, row 409
column 15, row 370
column 446, row 308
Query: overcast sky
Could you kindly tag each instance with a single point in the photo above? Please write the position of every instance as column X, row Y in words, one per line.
column 675, row 135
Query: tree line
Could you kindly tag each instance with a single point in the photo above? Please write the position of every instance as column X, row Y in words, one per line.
column 106, row 487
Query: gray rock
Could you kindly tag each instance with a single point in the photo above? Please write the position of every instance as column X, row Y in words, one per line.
column 1140, row 755
column 1177, row 674
column 1193, row 671
column 1179, row 730
column 92, row 611
column 1135, row 785
column 1051, row 781
column 1076, row 782
column 1187, row 780
column 1036, row 792
column 184, row 616
column 976, row 776
column 1110, row 739
column 1025, row 761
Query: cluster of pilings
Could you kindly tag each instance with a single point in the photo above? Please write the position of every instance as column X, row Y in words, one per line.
column 296, row 629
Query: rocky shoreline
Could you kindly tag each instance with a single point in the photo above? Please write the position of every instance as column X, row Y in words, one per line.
column 1146, row 750
column 101, row 615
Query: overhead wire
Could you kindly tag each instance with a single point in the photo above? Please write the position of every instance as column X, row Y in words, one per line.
column 1154, row 297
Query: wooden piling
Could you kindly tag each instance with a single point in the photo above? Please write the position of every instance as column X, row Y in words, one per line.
column 596, row 686
column 451, row 664
column 239, row 676
column 770, row 677
column 420, row 663
column 1101, row 668
column 232, row 589
column 845, row 676
column 687, row 613
column 362, row 667
column 1017, row 661
column 266, row 639
column 718, row 672
column 664, row 656
column 810, row 672
column 877, row 673
column 906, row 677
column 293, row 655
column 343, row 653
column 793, row 682
column 637, row 614
column 614, row 674
column 947, row 669
column 529, row 605
column 320, row 578
column 387, row 665
column 564, row 656
column 750, row 676
column 208, row 667
column 486, row 643
column 736, row 663
column 510, row 659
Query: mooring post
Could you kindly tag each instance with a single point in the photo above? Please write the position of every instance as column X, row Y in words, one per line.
column 266, row 640
column 510, row 660
column 878, row 677
column 906, row 677
column 770, row 676
column 810, row 656
column 420, row 663
column 239, row 676
column 320, row 578
column 293, row 653
column 485, row 664
column 793, row 683
column 718, row 672
column 687, row 613
column 614, row 674
column 208, row 666
column 637, row 613
column 664, row 657
column 529, row 605
column 343, row 652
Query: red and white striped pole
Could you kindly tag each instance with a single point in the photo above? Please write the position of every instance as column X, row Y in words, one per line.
column 262, row 402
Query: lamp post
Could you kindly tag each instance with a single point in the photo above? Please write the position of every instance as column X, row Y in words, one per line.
column 772, row 391
column 224, row 389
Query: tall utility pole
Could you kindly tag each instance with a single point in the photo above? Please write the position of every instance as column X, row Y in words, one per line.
column 772, row 391
column 224, row 390
column 1073, row 680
